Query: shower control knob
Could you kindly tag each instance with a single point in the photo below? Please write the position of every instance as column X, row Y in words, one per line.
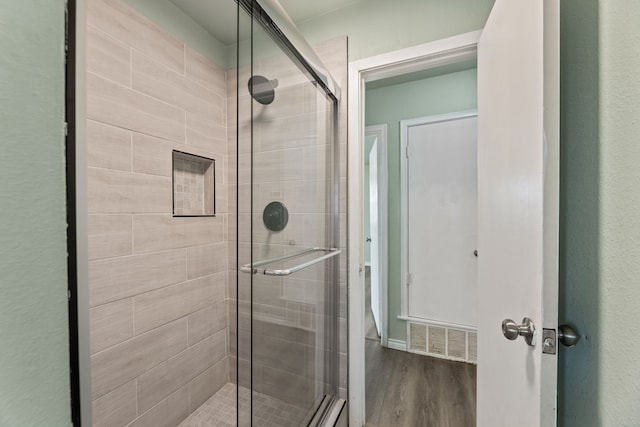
column 511, row 330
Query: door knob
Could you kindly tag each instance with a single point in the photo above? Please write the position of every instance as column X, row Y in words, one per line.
column 511, row 330
column 567, row 335
column 368, row 239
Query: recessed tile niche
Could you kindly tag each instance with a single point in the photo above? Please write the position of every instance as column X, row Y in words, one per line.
column 193, row 185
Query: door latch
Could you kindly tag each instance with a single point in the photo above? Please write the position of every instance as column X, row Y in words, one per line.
column 567, row 336
column 549, row 341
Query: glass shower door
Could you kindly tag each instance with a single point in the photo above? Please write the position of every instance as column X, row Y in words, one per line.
column 287, row 229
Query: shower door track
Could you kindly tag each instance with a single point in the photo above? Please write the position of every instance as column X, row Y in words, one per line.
column 284, row 32
column 328, row 412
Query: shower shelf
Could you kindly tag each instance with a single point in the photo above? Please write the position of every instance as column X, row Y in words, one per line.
column 249, row 268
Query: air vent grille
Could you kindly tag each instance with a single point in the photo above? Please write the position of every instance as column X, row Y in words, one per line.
column 446, row 342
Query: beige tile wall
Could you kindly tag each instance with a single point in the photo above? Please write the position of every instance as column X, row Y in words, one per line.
column 163, row 289
column 158, row 284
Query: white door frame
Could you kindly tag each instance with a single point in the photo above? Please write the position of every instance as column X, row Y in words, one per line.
column 380, row 132
column 429, row 55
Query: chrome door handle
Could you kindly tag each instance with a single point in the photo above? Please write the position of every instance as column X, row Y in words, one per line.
column 567, row 335
column 511, row 330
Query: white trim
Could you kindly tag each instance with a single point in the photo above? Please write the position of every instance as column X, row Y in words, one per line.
column 380, row 131
column 404, row 196
column 396, row 344
column 428, row 55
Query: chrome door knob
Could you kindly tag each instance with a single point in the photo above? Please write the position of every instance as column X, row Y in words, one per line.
column 567, row 335
column 511, row 330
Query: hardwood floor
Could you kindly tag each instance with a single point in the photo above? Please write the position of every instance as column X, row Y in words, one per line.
column 410, row 390
column 406, row 389
column 371, row 332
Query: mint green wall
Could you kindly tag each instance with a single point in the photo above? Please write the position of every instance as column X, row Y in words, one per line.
column 378, row 26
column 34, row 341
column 436, row 95
column 600, row 269
column 599, row 381
column 174, row 20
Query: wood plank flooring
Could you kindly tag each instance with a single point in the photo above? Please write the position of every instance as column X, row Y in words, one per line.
column 371, row 332
column 410, row 390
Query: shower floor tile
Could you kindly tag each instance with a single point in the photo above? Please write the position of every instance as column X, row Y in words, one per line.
column 220, row 410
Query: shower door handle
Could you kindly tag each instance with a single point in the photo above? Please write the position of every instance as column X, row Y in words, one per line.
column 252, row 268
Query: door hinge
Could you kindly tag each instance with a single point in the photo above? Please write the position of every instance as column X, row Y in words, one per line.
column 406, row 151
column 409, row 278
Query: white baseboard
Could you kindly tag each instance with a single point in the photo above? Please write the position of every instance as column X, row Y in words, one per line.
column 397, row 344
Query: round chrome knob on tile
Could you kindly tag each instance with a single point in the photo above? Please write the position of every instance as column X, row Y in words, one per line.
column 511, row 330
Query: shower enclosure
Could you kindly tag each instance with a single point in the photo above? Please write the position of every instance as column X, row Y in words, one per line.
column 216, row 223
column 287, row 226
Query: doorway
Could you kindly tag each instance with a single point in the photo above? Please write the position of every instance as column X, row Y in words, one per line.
column 428, row 244
column 518, row 145
column 399, row 367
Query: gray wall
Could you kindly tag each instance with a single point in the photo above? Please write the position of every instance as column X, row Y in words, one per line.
column 427, row 97
column 34, row 360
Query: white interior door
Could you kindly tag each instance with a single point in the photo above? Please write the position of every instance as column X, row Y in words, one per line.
column 441, row 176
column 518, row 100
column 373, row 233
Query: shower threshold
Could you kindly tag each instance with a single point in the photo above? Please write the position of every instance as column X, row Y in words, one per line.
column 220, row 411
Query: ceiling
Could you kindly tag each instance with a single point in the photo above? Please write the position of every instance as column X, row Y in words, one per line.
column 218, row 17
